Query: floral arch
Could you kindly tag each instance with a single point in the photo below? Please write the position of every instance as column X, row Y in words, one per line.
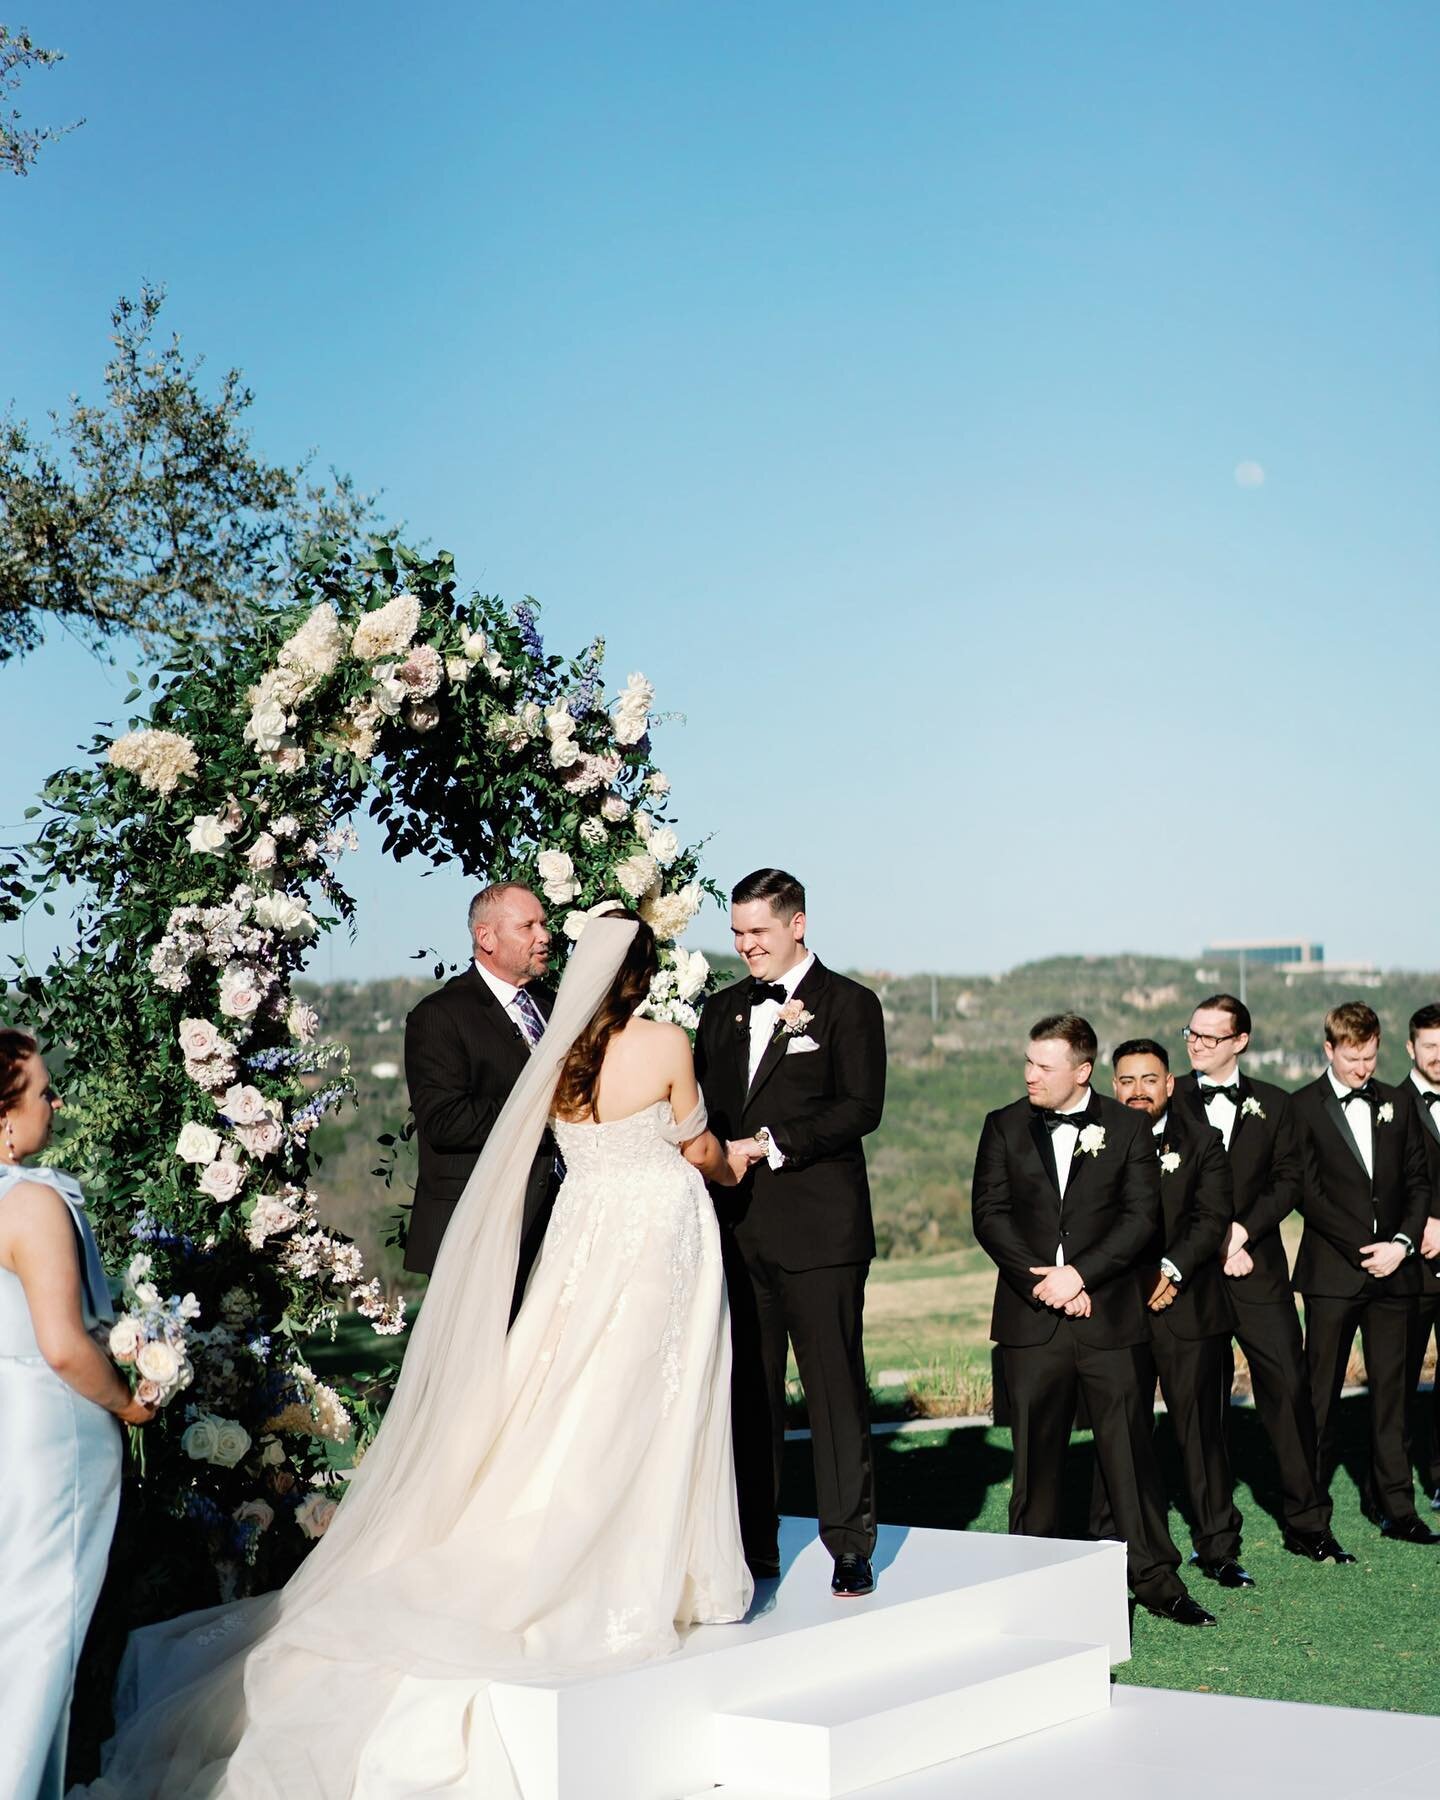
column 205, row 842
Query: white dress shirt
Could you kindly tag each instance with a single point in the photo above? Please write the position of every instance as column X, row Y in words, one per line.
column 1063, row 1140
column 1167, row 1268
column 1220, row 1108
column 762, row 1029
column 505, row 992
column 1361, row 1119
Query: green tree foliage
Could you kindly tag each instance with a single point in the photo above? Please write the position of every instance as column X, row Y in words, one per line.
column 19, row 144
column 150, row 514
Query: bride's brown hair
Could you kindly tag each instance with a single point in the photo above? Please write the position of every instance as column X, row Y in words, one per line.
column 580, row 1075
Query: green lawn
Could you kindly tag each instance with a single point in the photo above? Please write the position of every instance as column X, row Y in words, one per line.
column 1356, row 1636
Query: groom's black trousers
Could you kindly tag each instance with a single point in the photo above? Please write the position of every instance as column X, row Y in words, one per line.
column 820, row 1312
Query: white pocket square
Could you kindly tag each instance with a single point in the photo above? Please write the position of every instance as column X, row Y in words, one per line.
column 798, row 1046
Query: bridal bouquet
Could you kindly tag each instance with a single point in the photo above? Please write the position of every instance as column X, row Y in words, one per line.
column 151, row 1342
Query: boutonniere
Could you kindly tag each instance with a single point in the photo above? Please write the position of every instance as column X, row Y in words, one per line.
column 1091, row 1140
column 1384, row 1114
column 1252, row 1109
column 792, row 1020
column 1169, row 1162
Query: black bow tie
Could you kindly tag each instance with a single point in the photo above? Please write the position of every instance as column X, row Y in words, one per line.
column 1054, row 1120
column 1428, row 1096
column 1231, row 1093
column 1369, row 1093
column 762, row 991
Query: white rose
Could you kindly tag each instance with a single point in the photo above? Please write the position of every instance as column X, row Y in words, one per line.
column 232, row 1440
column 197, row 1143
column 575, row 923
column 613, row 808
column 199, row 1039
column 267, row 724
column 314, row 1513
column 557, row 876
column 279, row 911
column 422, row 715
column 664, row 846
column 389, row 694
column 207, row 835
column 691, row 973
column 564, row 753
column 260, row 1511
column 242, row 1105
column 157, row 1362
column 559, row 723
column 198, row 1441
column 223, row 1181
column 126, row 1338
column 636, row 873
column 273, row 1454
column 240, row 991
column 644, row 825
column 457, row 670
column 659, row 785
column 474, row 644
column 261, row 1139
column 262, row 853
column 302, row 1022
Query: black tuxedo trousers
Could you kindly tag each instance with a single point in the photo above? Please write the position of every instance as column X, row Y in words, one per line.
column 1425, row 1409
column 1265, row 1166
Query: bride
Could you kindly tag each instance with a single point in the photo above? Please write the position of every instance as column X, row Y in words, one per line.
column 558, row 1500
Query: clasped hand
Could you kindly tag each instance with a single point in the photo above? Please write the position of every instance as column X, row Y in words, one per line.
column 1064, row 1289
column 1381, row 1259
column 742, row 1154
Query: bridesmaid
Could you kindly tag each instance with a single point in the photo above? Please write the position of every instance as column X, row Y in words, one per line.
column 60, row 1398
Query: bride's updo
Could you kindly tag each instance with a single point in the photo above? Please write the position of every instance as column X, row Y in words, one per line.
column 580, row 1076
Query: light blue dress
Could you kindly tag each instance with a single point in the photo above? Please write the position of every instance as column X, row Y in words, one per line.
column 59, row 1493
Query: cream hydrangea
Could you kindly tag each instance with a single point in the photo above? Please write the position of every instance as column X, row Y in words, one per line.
column 159, row 760
column 668, row 915
column 636, row 873
column 388, row 630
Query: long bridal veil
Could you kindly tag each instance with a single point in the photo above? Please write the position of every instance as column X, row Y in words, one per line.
column 234, row 1701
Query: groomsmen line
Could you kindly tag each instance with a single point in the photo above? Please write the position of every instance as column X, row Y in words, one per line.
column 1136, row 1236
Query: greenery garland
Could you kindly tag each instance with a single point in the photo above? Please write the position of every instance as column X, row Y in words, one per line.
column 204, row 843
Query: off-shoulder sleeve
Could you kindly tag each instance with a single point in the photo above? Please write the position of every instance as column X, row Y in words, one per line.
column 689, row 1127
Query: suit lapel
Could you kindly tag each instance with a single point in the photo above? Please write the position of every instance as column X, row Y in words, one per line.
column 1044, row 1148
column 506, row 1031
column 1336, row 1114
column 1429, row 1115
column 774, row 1054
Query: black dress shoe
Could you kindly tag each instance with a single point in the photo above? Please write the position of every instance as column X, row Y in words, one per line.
column 763, row 1568
column 1412, row 1529
column 1319, row 1546
column 1227, row 1572
column 853, row 1576
column 1182, row 1610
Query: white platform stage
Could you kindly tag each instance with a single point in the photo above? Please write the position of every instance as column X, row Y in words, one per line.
column 990, row 1649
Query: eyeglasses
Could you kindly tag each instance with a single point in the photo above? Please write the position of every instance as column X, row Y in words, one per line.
column 1204, row 1039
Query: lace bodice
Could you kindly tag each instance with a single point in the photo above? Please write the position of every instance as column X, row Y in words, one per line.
column 640, row 1143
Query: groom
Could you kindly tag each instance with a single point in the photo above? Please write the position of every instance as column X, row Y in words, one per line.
column 791, row 1061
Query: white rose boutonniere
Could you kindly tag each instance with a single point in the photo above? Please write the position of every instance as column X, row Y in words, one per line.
column 1169, row 1162
column 792, row 1020
column 1252, row 1109
column 1091, row 1140
column 1385, row 1114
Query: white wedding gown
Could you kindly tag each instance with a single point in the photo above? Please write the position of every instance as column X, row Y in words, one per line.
column 554, row 1501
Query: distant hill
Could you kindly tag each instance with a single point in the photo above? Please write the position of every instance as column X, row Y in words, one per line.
column 955, row 1052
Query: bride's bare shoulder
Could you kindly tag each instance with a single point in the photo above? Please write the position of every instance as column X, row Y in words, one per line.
column 655, row 1034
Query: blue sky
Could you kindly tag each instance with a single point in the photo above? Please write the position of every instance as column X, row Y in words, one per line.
column 874, row 378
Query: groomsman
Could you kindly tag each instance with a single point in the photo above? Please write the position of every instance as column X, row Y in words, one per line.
column 1256, row 1123
column 1066, row 1203
column 1423, row 1092
column 1366, row 1200
column 791, row 1061
column 1187, row 1309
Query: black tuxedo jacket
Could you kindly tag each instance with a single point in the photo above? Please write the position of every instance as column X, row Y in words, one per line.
column 1108, row 1223
column 463, row 1054
column 1264, row 1157
column 1196, row 1200
column 1429, row 1121
column 814, row 1212
column 1344, row 1208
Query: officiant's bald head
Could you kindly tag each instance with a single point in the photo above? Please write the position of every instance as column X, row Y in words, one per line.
column 508, row 931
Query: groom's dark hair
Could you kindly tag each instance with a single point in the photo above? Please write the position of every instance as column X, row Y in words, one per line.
column 784, row 892
column 1071, row 1029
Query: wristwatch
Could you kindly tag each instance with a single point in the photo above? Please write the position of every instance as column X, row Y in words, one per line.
column 764, row 1140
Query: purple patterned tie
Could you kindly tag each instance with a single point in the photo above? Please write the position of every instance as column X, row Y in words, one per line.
column 532, row 1023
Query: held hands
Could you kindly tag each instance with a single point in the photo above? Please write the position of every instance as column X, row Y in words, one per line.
column 1162, row 1294
column 1381, row 1259
column 742, row 1154
column 1060, row 1286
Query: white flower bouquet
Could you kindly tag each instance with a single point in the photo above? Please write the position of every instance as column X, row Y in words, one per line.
column 151, row 1341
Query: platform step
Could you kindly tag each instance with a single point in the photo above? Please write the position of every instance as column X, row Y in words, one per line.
column 830, row 1737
